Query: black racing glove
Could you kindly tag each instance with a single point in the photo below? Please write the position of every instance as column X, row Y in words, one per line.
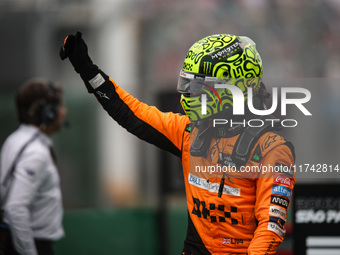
column 75, row 49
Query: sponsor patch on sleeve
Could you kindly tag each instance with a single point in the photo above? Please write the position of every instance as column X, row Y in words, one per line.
column 277, row 211
column 282, row 179
column 281, row 201
column 274, row 227
column 277, row 220
column 281, row 190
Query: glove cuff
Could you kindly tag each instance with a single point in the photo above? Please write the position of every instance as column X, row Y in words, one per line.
column 97, row 81
column 93, row 78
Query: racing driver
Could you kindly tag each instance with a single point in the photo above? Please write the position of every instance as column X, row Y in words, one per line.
column 238, row 177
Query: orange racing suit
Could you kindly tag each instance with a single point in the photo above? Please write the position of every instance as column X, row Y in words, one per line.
column 249, row 216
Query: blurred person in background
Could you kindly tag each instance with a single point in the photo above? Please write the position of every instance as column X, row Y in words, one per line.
column 31, row 200
column 230, row 212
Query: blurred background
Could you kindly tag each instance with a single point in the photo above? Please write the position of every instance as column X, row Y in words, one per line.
column 120, row 194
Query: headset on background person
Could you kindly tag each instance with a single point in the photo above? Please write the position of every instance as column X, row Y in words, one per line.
column 43, row 111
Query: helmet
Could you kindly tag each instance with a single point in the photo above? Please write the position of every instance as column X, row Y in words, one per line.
column 218, row 59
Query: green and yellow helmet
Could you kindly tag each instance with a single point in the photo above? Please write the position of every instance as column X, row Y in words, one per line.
column 218, row 59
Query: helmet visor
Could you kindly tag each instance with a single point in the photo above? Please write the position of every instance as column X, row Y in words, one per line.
column 194, row 84
column 246, row 42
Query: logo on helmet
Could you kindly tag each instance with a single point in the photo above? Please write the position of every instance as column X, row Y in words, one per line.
column 225, row 51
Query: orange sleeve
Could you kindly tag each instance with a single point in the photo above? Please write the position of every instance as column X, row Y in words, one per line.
column 273, row 192
column 165, row 130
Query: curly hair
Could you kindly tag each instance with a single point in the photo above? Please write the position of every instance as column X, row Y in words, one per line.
column 36, row 98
